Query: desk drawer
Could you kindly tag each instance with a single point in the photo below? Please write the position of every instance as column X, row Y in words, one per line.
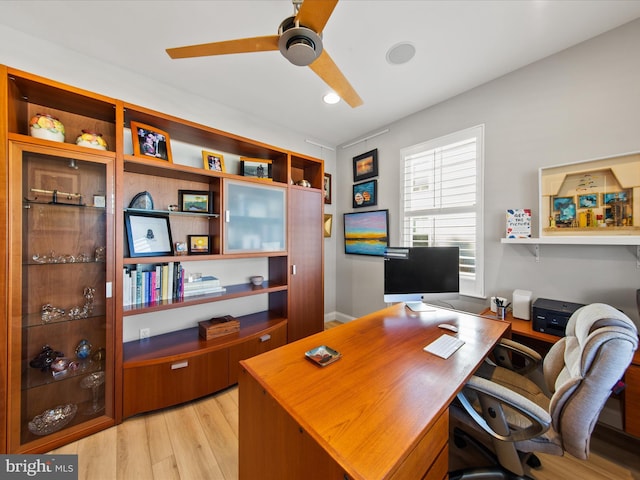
column 161, row 385
column 265, row 341
column 426, row 460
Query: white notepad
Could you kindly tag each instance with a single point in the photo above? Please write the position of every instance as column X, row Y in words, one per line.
column 445, row 346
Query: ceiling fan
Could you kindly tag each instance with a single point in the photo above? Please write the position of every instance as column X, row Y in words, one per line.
column 299, row 39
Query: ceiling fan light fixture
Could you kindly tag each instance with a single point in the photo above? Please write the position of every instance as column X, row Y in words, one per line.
column 331, row 98
column 400, row 53
column 298, row 44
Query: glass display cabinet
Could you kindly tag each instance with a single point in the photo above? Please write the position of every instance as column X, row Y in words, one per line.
column 61, row 358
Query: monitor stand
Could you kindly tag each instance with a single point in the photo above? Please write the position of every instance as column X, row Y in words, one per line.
column 419, row 307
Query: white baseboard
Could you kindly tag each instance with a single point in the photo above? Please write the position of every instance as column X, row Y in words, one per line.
column 340, row 317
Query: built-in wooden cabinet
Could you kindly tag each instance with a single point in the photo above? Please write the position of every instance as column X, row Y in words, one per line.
column 67, row 250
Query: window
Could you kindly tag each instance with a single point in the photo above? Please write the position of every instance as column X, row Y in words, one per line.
column 441, row 202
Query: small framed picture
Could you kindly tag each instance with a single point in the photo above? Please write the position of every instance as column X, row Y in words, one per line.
column 566, row 210
column 199, row 244
column 608, row 198
column 365, row 166
column 365, row 194
column 213, row 161
column 256, row 168
column 328, row 224
column 588, row 200
column 149, row 141
column 195, row 201
column 148, row 235
column 327, row 188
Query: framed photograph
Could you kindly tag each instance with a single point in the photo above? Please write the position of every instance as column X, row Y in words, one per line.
column 213, row 161
column 256, row 168
column 365, row 166
column 588, row 200
column 365, row 194
column 607, row 198
column 195, row 201
column 199, row 244
column 328, row 223
column 327, row 188
column 565, row 209
column 149, row 141
column 148, row 234
column 366, row 233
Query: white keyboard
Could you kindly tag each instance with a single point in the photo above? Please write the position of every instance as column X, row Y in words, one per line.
column 445, row 346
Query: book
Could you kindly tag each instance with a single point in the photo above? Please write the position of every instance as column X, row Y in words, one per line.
column 519, row 223
column 218, row 326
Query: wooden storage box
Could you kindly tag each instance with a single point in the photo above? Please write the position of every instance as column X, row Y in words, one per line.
column 217, row 327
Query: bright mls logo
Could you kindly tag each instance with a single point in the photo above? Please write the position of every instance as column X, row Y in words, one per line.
column 58, row 467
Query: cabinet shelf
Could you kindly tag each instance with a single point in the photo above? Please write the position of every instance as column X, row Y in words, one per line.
column 33, row 320
column 232, row 291
column 174, row 345
column 171, row 213
column 36, row 378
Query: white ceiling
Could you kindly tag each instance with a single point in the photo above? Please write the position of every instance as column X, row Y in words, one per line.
column 459, row 44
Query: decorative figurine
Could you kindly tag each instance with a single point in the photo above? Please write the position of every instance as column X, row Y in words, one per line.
column 83, row 350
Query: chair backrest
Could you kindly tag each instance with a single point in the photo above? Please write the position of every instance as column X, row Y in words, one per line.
column 583, row 367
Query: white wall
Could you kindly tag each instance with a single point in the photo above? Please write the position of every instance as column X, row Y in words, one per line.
column 32, row 55
column 580, row 104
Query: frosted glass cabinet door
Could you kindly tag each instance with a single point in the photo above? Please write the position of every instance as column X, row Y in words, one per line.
column 255, row 218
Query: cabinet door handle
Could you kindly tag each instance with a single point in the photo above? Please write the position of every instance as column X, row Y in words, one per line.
column 293, row 269
column 176, row 366
column 227, row 216
column 265, row 338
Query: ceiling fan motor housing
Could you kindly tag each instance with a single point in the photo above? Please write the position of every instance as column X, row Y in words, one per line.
column 298, row 44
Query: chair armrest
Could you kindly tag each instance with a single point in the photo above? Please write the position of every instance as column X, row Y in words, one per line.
column 492, row 397
column 506, row 348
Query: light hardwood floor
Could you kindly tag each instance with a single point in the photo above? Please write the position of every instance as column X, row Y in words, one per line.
column 199, row 440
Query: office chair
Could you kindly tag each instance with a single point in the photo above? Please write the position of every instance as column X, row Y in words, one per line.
column 509, row 412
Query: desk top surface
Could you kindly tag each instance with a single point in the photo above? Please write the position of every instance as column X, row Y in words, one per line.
column 370, row 408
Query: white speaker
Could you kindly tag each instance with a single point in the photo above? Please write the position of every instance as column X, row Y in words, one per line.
column 521, row 304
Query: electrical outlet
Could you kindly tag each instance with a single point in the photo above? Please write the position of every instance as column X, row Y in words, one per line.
column 145, row 333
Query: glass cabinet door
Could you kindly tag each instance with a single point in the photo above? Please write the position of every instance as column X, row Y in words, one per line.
column 255, row 217
column 61, row 370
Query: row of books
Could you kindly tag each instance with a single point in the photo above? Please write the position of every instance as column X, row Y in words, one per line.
column 150, row 283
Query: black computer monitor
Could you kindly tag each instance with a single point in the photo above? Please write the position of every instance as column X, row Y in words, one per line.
column 416, row 275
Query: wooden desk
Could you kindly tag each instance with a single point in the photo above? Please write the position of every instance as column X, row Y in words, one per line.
column 380, row 412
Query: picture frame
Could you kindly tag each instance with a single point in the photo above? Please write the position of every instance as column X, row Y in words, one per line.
column 365, row 194
column 365, row 165
column 195, row 201
column 622, row 196
column 566, row 210
column 328, row 223
column 327, row 188
column 588, row 200
column 199, row 244
column 213, row 161
column 256, row 168
column 148, row 234
column 150, row 142
column 181, row 248
column 366, row 233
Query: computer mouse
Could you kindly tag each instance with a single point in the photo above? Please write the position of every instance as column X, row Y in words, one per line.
column 446, row 326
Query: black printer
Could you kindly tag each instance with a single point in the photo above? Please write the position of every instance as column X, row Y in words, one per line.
column 551, row 316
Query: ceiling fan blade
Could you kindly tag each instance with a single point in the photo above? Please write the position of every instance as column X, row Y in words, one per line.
column 328, row 71
column 314, row 14
column 242, row 45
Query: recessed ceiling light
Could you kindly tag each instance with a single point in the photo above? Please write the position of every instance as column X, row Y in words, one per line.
column 331, row 98
column 400, row 53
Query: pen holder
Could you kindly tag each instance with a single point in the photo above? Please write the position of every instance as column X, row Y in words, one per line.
column 501, row 312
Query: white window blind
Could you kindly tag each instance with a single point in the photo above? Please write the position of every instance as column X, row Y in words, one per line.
column 442, row 200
